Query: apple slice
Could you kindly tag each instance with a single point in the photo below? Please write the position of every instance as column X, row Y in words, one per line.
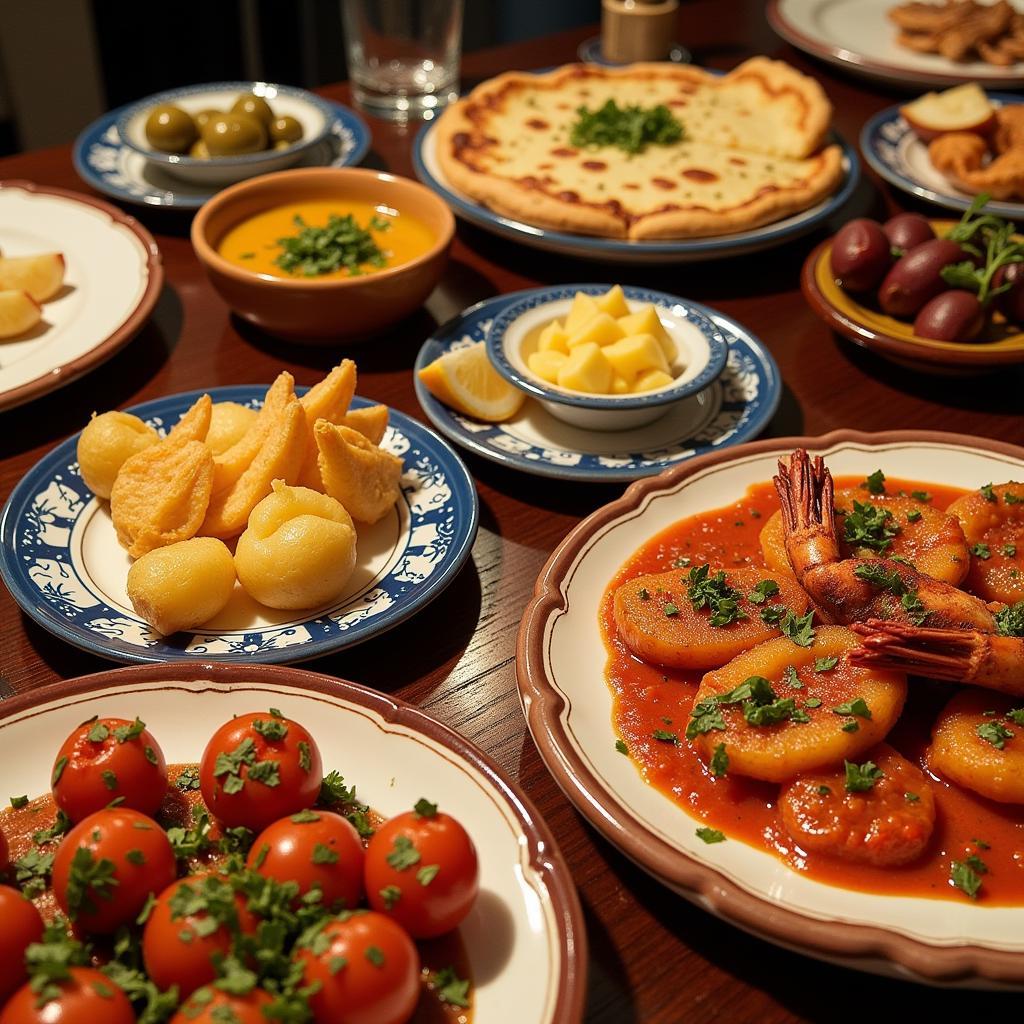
column 19, row 313
column 964, row 108
column 41, row 276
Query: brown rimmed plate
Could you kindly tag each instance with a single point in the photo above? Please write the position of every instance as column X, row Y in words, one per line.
column 561, row 665
column 113, row 276
column 524, row 938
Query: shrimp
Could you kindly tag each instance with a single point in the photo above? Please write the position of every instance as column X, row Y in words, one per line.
column 855, row 589
column 959, row 655
column 993, row 523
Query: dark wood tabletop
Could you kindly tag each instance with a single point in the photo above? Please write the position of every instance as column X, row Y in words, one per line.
column 654, row 956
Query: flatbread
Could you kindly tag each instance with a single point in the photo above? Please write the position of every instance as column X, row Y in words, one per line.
column 752, row 150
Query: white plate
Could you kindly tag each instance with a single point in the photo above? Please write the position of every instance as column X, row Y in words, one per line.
column 104, row 300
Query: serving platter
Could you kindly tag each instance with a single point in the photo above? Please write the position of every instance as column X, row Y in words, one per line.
column 102, row 304
column 103, row 161
column 735, row 407
column 560, row 667
column 894, row 151
column 857, row 36
column 61, row 561
column 525, row 938
column 616, row 250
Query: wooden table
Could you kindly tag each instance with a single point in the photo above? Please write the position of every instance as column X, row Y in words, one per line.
column 654, row 957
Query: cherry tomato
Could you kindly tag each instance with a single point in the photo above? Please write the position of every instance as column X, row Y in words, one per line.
column 421, row 869
column 22, row 926
column 107, row 866
column 204, row 1008
column 258, row 768
column 313, row 848
column 108, row 758
column 87, row 997
column 176, row 947
column 368, row 970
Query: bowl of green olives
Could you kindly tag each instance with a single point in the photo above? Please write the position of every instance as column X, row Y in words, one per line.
column 223, row 132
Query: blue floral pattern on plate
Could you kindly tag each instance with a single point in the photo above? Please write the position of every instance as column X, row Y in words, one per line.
column 42, row 563
column 734, row 408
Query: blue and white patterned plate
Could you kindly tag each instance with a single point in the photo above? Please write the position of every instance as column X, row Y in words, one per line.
column 61, row 561
column 104, row 162
column 893, row 150
column 589, row 51
column 735, row 408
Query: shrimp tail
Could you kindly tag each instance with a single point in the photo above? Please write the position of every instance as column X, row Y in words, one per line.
column 806, row 494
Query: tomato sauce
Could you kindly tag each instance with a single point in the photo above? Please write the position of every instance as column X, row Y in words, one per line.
column 19, row 825
column 649, row 697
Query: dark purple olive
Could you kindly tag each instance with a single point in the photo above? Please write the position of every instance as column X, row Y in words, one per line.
column 956, row 315
column 917, row 277
column 860, row 255
column 907, row 230
column 1011, row 302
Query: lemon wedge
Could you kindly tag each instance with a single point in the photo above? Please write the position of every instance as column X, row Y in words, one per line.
column 465, row 381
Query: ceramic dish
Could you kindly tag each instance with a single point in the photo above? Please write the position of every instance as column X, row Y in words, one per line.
column 102, row 304
column 856, row 35
column 61, row 561
column 561, row 665
column 617, row 250
column 525, row 937
column 895, row 339
column 512, row 337
column 313, row 113
column 104, row 162
column 893, row 149
column 734, row 408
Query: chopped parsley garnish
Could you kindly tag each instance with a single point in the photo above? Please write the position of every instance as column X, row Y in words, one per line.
column 851, row 726
column 913, row 515
column 670, row 609
column 275, row 729
column 875, row 482
column 982, row 551
column 719, row 761
column 774, row 614
column 706, row 716
column 1012, row 499
column 883, row 579
column 790, row 677
column 710, row 835
column 812, row 702
column 323, row 854
column 920, row 496
column 869, row 526
column 98, row 733
column 32, row 872
column 714, row 593
column 61, row 824
column 390, row 894
column 911, row 798
column 621, row 747
column 987, row 492
column 306, row 817
column 340, row 245
column 109, row 779
column 89, row 879
column 423, row 808
column 403, row 854
column 17, row 802
column 665, row 737
column 965, row 875
column 644, row 594
column 858, row 706
column 1010, row 620
column 450, row 988
column 825, row 664
column 1016, row 715
column 629, row 128
column 1008, row 550
column 762, row 591
column 861, row 777
column 427, row 873
column 374, row 955
column 58, row 770
column 124, row 733
column 188, row 780
column 798, row 628
column 995, row 733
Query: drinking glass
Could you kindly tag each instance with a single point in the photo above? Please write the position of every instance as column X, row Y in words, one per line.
column 403, row 55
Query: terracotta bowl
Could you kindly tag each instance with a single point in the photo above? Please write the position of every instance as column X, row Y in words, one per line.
column 306, row 309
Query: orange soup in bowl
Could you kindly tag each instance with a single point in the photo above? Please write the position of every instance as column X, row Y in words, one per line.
column 325, row 240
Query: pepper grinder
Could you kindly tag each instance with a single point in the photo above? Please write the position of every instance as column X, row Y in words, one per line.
column 637, row 29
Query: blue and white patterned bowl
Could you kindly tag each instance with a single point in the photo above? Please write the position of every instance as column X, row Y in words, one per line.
column 511, row 340
column 60, row 559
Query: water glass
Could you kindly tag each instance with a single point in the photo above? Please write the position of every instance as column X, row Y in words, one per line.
column 403, row 55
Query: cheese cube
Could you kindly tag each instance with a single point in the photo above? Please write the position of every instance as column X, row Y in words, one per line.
column 599, row 330
column 651, row 380
column 553, row 338
column 646, row 321
column 547, row 364
column 635, row 355
column 613, row 302
column 583, row 309
column 621, row 386
column 586, row 369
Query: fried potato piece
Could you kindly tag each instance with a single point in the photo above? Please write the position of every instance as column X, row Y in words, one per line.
column 804, row 736
column 161, row 495
column 888, row 824
column 363, row 477
column 279, row 458
column 657, row 621
column 371, row 422
column 989, row 761
column 328, row 400
column 229, row 423
column 195, row 424
column 106, row 444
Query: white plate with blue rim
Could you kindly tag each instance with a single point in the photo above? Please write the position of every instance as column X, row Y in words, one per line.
column 620, row 250
column 62, row 563
column 733, row 408
column 105, row 162
column 894, row 151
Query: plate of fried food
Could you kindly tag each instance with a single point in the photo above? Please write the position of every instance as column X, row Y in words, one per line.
column 908, row 44
column 785, row 680
column 240, row 524
column 62, row 312
column 642, row 162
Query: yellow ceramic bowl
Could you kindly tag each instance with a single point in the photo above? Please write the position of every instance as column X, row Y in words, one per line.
column 314, row 310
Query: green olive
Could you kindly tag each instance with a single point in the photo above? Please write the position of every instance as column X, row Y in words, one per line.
column 285, row 129
column 204, row 115
column 254, row 106
column 199, row 150
column 170, row 129
column 233, row 135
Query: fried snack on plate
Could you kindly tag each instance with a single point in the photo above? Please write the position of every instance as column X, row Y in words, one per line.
column 182, row 585
column 19, row 313
column 195, row 424
column 229, row 423
column 960, row 29
column 106, row 443
column 363, row 477
column 298, row 550
column 41, row 276
column 328, row 400
column 371, row 421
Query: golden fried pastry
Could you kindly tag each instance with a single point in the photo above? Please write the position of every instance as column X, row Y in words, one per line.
column 229, row 423
column 106, row 443
column 961, row 157
column 328, row 400
column 371, row 422
column 962, row 30
column 363, row 477
column 195, row 424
